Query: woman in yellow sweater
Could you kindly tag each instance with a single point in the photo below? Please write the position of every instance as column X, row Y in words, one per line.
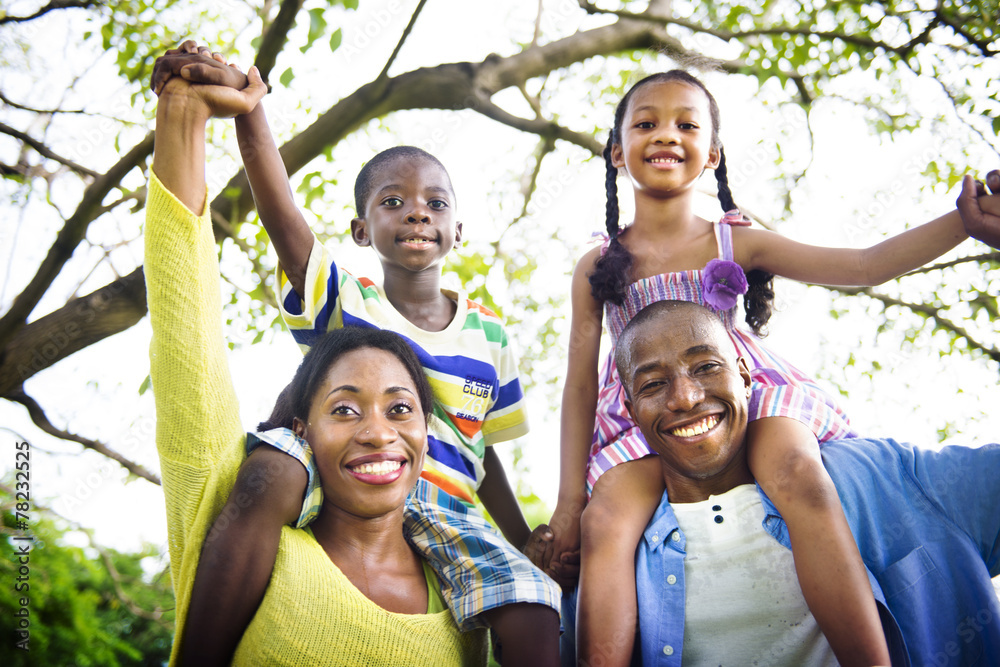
column 350, row 591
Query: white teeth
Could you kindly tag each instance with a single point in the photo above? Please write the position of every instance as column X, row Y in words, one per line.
column 379, row 468
column 668, row 160
column 697, row 428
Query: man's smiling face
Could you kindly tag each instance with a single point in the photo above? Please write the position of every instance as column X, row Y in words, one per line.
column 688, row 393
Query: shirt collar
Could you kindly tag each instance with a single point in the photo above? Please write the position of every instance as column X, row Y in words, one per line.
column 663, row 528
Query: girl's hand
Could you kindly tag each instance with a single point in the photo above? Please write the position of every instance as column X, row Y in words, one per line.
column 562, row 557
column 980, row 211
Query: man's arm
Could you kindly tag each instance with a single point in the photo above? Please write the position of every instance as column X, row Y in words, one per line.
column 964, row 484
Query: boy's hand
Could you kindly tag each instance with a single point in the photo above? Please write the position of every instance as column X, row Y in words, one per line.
column 980, row 210
column 538, row 543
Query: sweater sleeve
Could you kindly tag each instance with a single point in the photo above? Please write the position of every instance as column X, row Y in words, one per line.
column 198, row 432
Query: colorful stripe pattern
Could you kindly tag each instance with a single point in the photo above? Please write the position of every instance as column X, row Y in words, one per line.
column 471, row 365
column 778, row 388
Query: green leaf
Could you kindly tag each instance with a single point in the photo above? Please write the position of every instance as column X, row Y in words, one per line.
column 317, row 26
column 286, row 77
column 337, row 37
column 146, row 384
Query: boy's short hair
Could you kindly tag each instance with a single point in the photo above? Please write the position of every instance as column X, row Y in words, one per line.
column 368, row 173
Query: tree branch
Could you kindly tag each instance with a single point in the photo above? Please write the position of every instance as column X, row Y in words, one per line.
column 728, row 35
column 116, row 578
column 69, row 238
column 543, row 128
column 52, row 6
column 276, row 36
column 41, row 420
column 929, row 311
column 986, row 257
column 80, row 323
column 545, row 146
column 6, row 100
column 45, row 151
column 406, row 33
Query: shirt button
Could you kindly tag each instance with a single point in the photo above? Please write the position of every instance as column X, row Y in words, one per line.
column 656, row 538
column 671, row 580
column 675, row 536
column 668, row 650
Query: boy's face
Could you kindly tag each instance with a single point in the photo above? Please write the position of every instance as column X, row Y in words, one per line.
column 409, row 218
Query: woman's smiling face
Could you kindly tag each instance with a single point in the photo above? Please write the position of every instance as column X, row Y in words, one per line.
column 367, row 432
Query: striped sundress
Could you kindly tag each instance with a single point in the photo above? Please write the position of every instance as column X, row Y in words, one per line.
column 778, row 388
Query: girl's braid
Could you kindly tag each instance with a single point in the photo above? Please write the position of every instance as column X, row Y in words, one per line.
column 613, row 270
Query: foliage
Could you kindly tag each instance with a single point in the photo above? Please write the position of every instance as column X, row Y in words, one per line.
column 81, row 612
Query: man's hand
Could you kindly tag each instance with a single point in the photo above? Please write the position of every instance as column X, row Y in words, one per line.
column 980, row 210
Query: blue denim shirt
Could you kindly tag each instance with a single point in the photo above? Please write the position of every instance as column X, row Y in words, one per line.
column 928, row 527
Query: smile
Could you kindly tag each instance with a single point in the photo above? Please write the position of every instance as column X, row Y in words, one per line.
column 665, row 160
column 418, row 242
column 377, row 473
column 698, row 428
column 378, row 468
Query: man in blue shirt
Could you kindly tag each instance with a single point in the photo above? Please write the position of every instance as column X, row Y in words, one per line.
column 714, row 575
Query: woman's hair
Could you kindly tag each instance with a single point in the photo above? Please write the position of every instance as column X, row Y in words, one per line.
column 296, row 399
column 366, row 177
column 613, row 270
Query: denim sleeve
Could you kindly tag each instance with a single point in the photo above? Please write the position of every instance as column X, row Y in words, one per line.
column 964, row 483
column 891, row 483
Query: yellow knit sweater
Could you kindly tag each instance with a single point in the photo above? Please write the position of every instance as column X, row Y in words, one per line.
column 311, row 614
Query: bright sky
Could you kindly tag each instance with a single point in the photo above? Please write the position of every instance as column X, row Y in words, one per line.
column 96, row 391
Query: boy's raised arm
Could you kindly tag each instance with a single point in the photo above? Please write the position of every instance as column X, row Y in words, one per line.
column 272, row 193
column 282, row 219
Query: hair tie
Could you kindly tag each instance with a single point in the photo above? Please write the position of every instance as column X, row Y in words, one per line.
column 735, row 218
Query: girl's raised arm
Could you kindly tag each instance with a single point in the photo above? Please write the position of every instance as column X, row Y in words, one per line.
column 768, row 251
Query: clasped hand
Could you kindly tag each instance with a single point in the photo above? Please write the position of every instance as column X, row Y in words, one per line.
column 194, row 74
column 981, row 222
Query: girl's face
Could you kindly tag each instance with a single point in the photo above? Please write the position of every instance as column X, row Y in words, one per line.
column 367, row 432
column 409, row 218
column 666, row 139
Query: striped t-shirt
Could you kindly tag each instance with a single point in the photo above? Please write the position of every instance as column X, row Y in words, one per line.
column 472, row 369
